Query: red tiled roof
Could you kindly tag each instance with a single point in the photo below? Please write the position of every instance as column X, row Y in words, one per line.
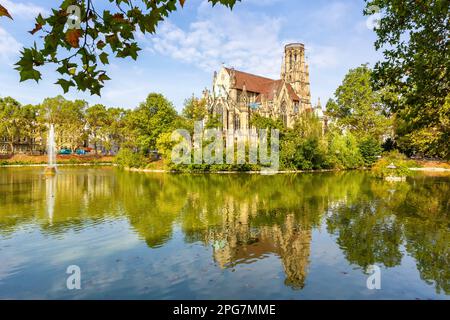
column 253, row 83
column 263, row 86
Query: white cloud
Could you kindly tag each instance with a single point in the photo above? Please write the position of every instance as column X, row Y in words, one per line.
column 322, row 57
column 245, row 41
column 331, row 15
column 23, row 10
column 9, row 46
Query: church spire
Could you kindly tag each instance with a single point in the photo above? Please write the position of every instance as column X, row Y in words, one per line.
column 295, row 72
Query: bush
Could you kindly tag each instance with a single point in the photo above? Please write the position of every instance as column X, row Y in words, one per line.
column 343, row 152
column 303, row 154
column 402, row 164
column 370, row 150
column 127, row 158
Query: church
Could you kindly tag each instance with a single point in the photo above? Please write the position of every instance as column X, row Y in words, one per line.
column 236, row 95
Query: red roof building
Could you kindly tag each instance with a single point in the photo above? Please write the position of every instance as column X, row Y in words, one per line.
column 237, row 94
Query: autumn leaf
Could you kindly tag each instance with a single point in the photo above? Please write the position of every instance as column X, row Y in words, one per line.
column 4, row 12
column 118, row 17
column 73, row 37
column 101, row 44
column 37, row 27
column 182, row 2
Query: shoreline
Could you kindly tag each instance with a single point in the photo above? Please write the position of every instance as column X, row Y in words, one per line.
column 235, row 172
column 106, row 164
column 426, row 169
column 87, row 164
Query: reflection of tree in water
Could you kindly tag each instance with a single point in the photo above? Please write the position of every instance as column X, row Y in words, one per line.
column 427, row 231
column 372, row 228
column 248, row 217
column 366, row 234
column 80, row 198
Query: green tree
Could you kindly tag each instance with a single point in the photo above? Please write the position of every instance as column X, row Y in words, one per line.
column 97, row 119
column 370, row 149
column 357, row 107
column 68, row 118
column 343, row 151
column 195, row 109
column 114, row 131
column 261, row 122
column 302, row 147
column 10, row 120
column 415, row 39
column 79, row 50
column 146, row 123
column 30, row 128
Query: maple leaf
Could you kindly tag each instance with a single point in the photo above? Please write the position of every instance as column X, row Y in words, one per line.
column 4, row 12
column 182, row 2
column 118, row 17
column 73, row 37
column 37, row 27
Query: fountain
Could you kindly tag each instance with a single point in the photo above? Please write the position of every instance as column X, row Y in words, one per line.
column 50, row 189
column 51, row 152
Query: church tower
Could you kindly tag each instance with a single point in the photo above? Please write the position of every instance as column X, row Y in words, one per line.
column 295, row 71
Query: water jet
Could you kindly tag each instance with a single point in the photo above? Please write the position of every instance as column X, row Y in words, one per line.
column 51, row 152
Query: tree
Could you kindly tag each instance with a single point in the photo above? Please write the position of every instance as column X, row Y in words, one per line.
column 357, row 107
column 30, row 128
column 68, row 118
column 260, row 122
column 78, row 46
column 97, row 119
column 343, row 150
column 115, row 129
column 10, row 119
column 195, row 109
column 415, row 39
column 146, row 123
column 370, row 149
column 302, row 147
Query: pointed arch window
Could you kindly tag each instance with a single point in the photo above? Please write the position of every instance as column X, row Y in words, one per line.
column 237, row 122
column 219, row 112
column 283, row 113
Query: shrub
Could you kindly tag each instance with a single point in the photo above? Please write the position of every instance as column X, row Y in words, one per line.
column 303, row 154
column 370, row 150
column 127, row 158
column 402, row 164
column 343, row 152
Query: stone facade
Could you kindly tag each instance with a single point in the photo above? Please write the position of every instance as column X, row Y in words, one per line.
column 236, row 95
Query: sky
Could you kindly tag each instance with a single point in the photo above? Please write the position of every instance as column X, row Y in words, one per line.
column 180, row 59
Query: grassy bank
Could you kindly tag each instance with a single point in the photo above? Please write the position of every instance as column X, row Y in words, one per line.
column 20, row 159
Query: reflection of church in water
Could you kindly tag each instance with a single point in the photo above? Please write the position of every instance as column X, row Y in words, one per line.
column 241, row 241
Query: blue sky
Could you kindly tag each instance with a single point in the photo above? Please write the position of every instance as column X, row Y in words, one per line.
column 180, row 59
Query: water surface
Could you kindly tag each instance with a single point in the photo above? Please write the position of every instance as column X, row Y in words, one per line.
column 162, row 236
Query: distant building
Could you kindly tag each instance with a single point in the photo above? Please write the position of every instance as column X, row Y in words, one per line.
column 22, row 145
column 236, row 95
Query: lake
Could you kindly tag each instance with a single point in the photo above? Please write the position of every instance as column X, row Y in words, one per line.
column 178, row 236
